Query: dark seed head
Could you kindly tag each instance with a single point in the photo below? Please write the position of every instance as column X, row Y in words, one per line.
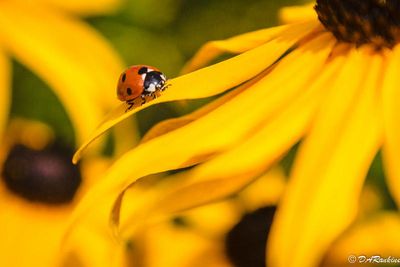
column 46, row 176
column 374, row 22
column 246, row 242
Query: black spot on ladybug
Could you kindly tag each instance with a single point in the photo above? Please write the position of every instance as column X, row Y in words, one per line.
column 129, row 91
column 123, row 77
column 142, row 70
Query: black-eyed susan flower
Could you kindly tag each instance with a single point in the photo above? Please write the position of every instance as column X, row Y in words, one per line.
column 66, row 53
column 233, row 233
column 328, row 80
column 226, row 234
column 39, row 188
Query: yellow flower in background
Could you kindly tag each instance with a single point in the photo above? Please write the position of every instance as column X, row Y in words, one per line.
column 66, row 53
column 226, row 234
column 376, row 236
column 233, row 232
column 39, row 188
column 329, row 81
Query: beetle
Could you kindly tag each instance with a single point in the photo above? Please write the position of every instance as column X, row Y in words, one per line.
column 140, row 81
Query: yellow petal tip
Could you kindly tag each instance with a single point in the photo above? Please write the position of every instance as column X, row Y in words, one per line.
column 76, row 157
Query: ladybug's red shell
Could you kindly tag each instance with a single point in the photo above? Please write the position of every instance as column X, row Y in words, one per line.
column 131, row 82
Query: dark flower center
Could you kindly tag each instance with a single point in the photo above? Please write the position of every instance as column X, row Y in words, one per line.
column 46, row 175
column 246, row 242
column 362, row 21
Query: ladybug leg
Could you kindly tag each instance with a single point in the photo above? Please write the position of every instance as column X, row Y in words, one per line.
column 143, row 98
column 130, row 105
column 165, row 87
column 153, row 95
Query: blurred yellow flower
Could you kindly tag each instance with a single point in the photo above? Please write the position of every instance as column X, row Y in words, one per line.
column 39, row 188
column 225, row 234
column 331, row 81
column 377, row 236
column 69, row 55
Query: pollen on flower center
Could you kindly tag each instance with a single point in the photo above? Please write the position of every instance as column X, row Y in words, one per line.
column 362, row 21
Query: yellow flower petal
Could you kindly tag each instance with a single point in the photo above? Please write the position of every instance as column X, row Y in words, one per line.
column 16, row 212
column 91, row 248
column 126, row 136
column 226, row 125
column 265, row 191
column 201, row 193
column 82, row 73
column 391, row 115
column 175, row 123
column 5, row 89
column 209, row 81
column 156, row 243
column 207, row 219
column 35, row 230
column 238, row 44
column 323, row 193
column 297, row 14
column 229, row 172
column 376, row 236
column 88, row 7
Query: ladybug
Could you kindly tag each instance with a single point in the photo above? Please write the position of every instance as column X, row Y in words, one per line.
column 140, row 81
